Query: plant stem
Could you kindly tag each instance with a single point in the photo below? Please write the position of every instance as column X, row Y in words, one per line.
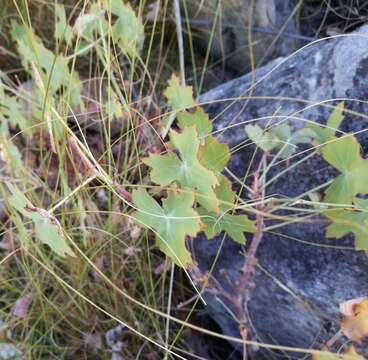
column 179, row 33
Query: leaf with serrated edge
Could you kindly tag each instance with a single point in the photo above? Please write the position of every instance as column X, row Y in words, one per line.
column 198, row 118
column 234, row 225
column 264, row 139
column 346, row 221
column 172, row 222
column 344, row 154
column 322, row 134
column 128, row 29
column 179, row 97
column 213, row 154
column 62, row 29
column 186, row 170
column 355, row 325
column 279, row 137
column 47, row 228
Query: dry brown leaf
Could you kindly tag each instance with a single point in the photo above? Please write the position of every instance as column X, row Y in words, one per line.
column 354, row 323
column 21, row 306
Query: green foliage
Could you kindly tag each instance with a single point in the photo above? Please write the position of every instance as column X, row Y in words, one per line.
column 279, row 137
column 322, row 134
column 92, row 22
column 53, row 68
column 344, row 221
column 127, row 29
column 179, row 97
column 172, row 222
column 11, row 110
column 48, row 229
column 63, row 31
column 214, row 155
column 234, row 225
column 344, row 154
column 194, row 163
column 50, row 70
column 198, row 118
column 186, row 169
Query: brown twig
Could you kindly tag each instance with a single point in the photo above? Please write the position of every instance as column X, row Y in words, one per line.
column 237, row 297
column 250, row 262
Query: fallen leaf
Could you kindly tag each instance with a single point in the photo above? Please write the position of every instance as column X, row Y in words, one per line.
column 354, row 324
column 350, row 354
column 21, row 306
column 347, row 307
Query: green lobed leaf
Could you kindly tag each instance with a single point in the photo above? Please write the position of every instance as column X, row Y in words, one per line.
column 344, row 154
column 128, row 29
column 234, row 225
column 89, row 23
column 214, row 155
column 11, row 109
column 346, row 221
column 48, row 230
column 179, row 97
column 198, row 118
column 13, row 157
column 172, row 222
column 186, row 169
column 63, row 31
column 279, row 137
column 322, row 134
column 264, row 139
column 53, row 68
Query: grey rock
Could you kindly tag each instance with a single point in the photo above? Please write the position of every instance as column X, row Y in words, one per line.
column 302, row 276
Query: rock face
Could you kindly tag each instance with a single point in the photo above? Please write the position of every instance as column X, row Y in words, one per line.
column 273, row 27
column 302, row 276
